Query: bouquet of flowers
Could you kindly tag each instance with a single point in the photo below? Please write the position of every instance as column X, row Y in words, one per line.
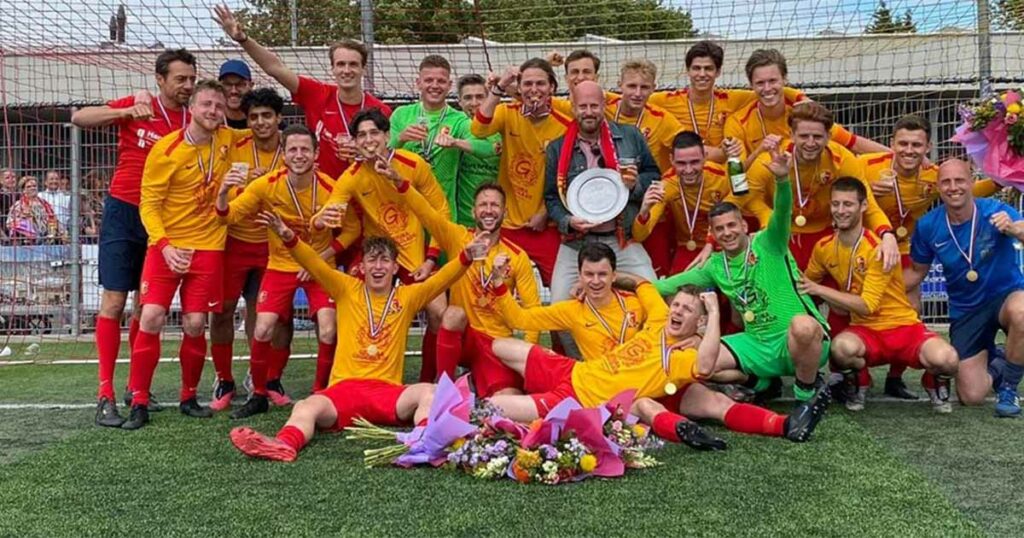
column 993, row 135
column 566, row 460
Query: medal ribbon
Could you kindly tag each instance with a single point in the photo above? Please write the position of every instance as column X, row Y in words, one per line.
column 691, row 222
column 853, row 256
column 207, row 170
column 256, row 156
column 428, row 146
column 167, row 117
column 639, row 118
column 295, row 198
column 341, row 109
column 969, row 255
column 746, row 269
column 711, row 115
column 375, row 328
column 604, row 323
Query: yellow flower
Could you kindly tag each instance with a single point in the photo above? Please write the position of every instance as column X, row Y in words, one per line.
column 639, row 430
column 458, row 443
column 528, row 459
column 1014, row 108
column 588, row 463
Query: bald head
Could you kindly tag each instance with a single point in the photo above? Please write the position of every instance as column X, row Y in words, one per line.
column 588, row 106
column 956, row 184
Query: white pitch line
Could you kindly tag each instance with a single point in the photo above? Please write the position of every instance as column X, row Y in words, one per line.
column 243, row 358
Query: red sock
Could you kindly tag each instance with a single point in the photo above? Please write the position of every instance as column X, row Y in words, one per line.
column 222, row 354
column 746, row 418
column 108, row 343
column 863, row 377
column 928, row 381
column 428, row 370
column 145, row 356
column 278, row 360
column 292, row 436
column 192, row 354
column 897, row 369
column 324, row 362
column 259, row 365
column 556, row 344
column 665, row 425
column 449, row 352
column 133, row 331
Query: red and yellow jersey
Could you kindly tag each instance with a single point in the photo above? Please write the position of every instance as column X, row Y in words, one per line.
column 709, row 118
column 273, row 192
column 596, row 330
column 521, row 170
column 716, row 188
column 814, row 187
column 658, row 127
column 884, row 293
column 471, row 292
column 381, row 212
column 918, row 193
column 750, row 127
column 179, row 187
column 134, row 140
column 637, row 363
column 365, row 353
column 245, row 151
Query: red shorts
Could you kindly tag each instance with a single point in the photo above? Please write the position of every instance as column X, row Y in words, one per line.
column 241, row 259
column 905, row 261
column 683, row 257
column 489, row 374
column 201, row 286
column 371, row 399
column 801, row 246
column 548, row 378
column 660, row 244
column 541, row 246
column 899, row 345
column 277, row 292
column 672, row 402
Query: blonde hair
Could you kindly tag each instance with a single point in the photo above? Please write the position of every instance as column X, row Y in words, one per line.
column 642, row 66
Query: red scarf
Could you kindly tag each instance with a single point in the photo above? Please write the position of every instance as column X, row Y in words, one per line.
column 608, row 154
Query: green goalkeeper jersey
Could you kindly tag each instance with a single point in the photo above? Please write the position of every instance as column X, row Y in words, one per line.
column 478, row 167
column 761, row 280
column 443, row 161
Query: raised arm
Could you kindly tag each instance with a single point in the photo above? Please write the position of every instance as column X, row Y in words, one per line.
column 526, row 290
column 328, row 276
column 697, row 276
column 440, row 281
column 268, row 61
column 489, row 119
column 779, row 226
column 449, row 235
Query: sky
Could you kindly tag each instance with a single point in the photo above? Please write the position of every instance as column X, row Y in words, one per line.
column 42, row 23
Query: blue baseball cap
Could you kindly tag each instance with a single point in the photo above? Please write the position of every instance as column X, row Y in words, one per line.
column 235, row 67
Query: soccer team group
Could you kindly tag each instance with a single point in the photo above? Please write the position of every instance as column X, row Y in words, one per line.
column 749, row 213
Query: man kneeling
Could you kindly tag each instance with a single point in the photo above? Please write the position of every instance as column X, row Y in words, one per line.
column 373, row 327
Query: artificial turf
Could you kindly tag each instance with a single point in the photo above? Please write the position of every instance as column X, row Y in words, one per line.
column 893, row 470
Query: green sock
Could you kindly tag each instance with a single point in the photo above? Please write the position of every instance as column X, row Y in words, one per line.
column 762, row 384
column 803, row 391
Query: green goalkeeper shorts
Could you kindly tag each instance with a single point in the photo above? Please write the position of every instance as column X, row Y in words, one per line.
column 766, row 358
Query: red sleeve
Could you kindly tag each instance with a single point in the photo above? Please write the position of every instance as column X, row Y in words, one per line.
column 124, row 102
column 310, row 91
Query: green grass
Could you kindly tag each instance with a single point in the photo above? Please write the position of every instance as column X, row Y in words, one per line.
column 892, row 470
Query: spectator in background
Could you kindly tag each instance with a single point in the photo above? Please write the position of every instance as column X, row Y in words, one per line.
column 59, row 200
column 31, row 218
column 94, row 185
column 8, row 195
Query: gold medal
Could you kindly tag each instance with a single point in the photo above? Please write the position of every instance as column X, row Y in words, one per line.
column 372, row 350
column 801, row 220
column 670, row 388
column 748, row 316
column 972, row 276
column 691, row 245
column 481, row 301
column 901, row 232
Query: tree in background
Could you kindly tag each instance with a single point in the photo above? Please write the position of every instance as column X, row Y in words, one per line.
column 882, row 22
column 450, row 21
column 1009, row 14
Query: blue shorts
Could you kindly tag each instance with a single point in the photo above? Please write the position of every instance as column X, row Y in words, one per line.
column 975, row 331
column 122, row 246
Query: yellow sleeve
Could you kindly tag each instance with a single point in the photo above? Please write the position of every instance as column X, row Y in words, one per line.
column 539, row 318
column 330, row 278
column 451, row 236
column 642, row 227
column 875, row 282
column 351, row 229
column 874, row 218
column 734, row 130
column 247, row 203
column 156, row 179
column 668, row 128
column 985, row 188
column 756, row 202
column 816, row 270
column 655, row 309
column 526, row 290
column 439, row 281
column 341, row 194
column 482, row 126
column 841, row 136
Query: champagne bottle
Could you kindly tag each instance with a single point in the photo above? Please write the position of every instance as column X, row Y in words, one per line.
column 737, row 176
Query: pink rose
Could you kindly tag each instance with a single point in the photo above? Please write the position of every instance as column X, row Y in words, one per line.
column 1011, row 119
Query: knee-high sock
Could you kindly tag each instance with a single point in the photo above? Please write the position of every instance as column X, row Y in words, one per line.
column 324, row 361
column 428, row 369
column 293, row 437
column 145, row 356
column 259, row 365
column 664, row 425
column 746, row 418
column 449, row 352
column 108, row 343
column 133, row 331
column 193, row 355
column 222, row 354
column 278, row 360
